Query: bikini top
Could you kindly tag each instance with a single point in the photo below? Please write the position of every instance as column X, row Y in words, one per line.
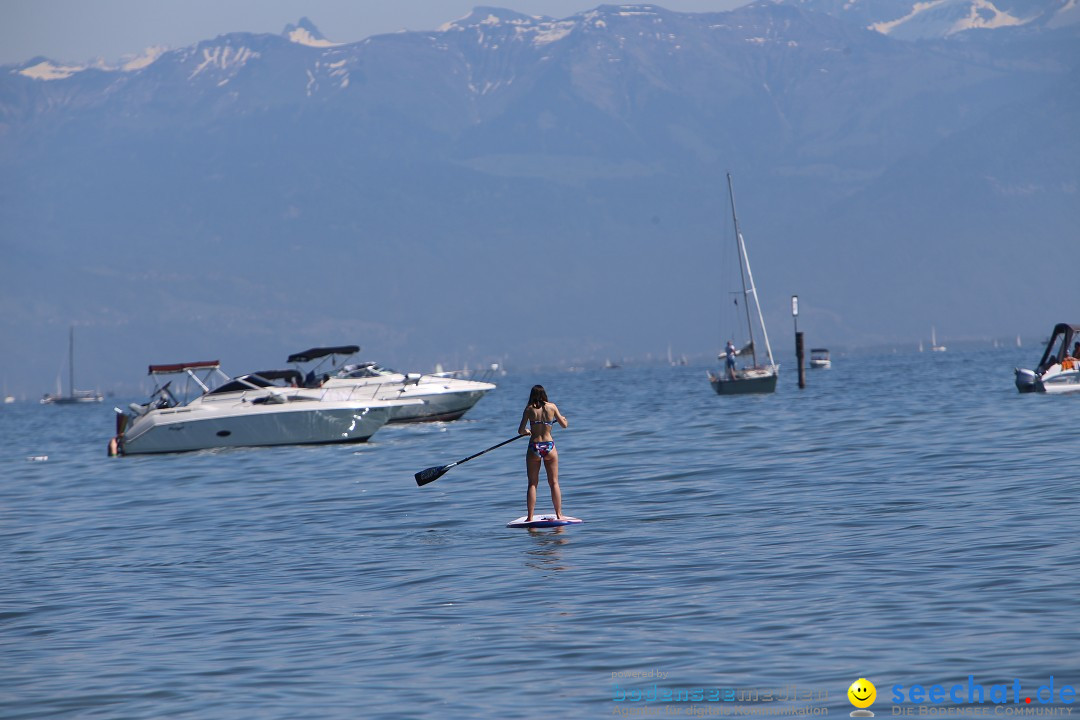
column 549, row 423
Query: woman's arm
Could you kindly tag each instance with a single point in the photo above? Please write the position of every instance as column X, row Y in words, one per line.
column 559, row 416
column 524, row 422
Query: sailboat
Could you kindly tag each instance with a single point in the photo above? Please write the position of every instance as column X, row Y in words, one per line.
column 77, row 397
column 934, row 347
column 755, row 378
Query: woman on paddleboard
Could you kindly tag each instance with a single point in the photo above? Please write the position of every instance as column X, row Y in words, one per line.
column 539, row 416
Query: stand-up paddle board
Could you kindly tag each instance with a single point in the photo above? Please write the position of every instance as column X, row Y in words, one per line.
column 543, row 521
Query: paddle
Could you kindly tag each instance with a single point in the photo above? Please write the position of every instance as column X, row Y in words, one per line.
column 434, row 473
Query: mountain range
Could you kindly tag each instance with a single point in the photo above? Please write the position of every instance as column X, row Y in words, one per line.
column 540, row 190
column 935, row 19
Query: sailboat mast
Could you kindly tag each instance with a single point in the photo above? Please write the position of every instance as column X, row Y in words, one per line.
column 71, row 360
column 742, row 270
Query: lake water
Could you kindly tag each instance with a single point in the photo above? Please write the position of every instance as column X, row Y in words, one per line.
column 910, row 519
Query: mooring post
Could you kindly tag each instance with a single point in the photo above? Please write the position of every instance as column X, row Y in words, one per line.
column 799, row 356
column 798, row 342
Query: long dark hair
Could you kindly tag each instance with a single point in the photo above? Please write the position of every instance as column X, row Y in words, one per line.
column 538, row 397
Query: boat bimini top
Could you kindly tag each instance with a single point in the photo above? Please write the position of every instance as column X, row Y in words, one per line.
column 318, row 353
column 1059, row 346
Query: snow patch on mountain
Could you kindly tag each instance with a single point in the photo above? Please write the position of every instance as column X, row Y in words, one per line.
column 300, row 36
column 490, row 17
column 979, row 14
column 47, row 70
column 535, row 29
column 226, row 57
column 1068, row 14
column 887, row 27
column 144, row 59
column 304, row 32
column 336, row 72
column 547, row 33
column 43, row 69
column 983, row 14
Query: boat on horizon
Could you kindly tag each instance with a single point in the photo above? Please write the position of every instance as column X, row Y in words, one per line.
column 441, row 396
column 755, row 378
column 75, row 397
column 934, row 347
column 264, row 408
column 819, row 358
column 1058, row 370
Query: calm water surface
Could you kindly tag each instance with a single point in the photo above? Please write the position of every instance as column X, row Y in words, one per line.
column 910, row 519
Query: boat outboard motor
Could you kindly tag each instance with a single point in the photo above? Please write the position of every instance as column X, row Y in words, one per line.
column 1026, row 380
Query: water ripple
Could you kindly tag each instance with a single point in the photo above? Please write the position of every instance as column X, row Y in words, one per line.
column 914, row 530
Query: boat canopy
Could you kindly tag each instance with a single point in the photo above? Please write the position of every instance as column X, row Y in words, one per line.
column 819, row 350
column 184, row 367
column 1059, row 346
column 316, row 353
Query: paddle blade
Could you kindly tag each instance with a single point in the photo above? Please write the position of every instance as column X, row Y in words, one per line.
column 431, row 474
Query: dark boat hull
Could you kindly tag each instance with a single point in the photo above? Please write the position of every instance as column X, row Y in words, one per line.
column 757, row 385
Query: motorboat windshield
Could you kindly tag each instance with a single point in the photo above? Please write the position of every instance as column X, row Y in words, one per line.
column 1060, row 345
column 364, row 370
column 261, row 379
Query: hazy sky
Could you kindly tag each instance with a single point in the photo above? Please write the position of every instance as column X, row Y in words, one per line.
column 81, row 30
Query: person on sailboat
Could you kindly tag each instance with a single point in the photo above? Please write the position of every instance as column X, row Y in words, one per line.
column 540, row 415
column 730, row 353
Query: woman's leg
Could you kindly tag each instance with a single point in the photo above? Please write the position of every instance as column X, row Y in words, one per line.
column 532, row 469
column 551, row 464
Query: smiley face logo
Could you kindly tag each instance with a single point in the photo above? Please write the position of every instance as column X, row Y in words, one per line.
column 862, row 693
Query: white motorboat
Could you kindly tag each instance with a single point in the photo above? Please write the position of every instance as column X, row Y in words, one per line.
column 76, row 397
column 441, row 396
column 756, row 378
column 1059, row 369
column 819, row 358
column 264, row 408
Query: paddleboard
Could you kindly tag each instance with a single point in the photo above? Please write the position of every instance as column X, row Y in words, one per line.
column 544, row 521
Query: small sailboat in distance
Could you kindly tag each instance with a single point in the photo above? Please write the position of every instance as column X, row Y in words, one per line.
column 755, row 378
column 934, row 347
column 77, row 397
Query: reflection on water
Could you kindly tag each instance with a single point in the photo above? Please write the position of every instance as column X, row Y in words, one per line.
column 546, row 553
